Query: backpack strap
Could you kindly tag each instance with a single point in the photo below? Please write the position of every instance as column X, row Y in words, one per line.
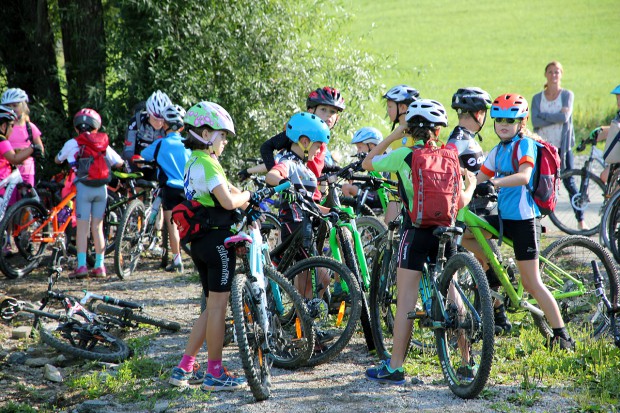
column 157, row 151
column 29, row 130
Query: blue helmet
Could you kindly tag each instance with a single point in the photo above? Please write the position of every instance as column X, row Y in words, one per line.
column 616, row 90
column 367, row 135
column 309, row 125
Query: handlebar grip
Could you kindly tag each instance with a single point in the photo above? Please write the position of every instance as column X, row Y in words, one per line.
column 281, row 187
column 122, row 303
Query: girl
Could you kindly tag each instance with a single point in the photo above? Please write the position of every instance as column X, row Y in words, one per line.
column 205, row 181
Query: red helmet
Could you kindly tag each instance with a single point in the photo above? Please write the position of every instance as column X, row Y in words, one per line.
column 510, row 105
column 327, row 96
column 87, row 117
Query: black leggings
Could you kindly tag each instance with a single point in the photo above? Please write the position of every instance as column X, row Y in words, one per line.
column 215, row 263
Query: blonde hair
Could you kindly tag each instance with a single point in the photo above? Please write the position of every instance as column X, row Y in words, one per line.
column 556, row 64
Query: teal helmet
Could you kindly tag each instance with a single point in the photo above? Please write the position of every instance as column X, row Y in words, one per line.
column 616, row 90
column 309, row 125
column 367, row 134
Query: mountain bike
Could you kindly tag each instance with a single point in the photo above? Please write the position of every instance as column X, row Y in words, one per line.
column 608, row 312
column 565, row 269
column 264, row 334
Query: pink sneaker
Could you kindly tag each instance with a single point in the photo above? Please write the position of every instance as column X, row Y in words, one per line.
column 98, row 272
column 80, row 272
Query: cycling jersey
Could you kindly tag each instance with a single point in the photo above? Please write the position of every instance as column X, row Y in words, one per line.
column 470, row 152
column 140, row 134
column 171, row 159
column 292, row 167
column 514, row 202
column 282, row 142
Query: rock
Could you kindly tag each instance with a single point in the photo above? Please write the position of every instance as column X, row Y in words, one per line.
column 37, row 362
column 21, row 332
column 18, row 357
column 52, row 374
column 161, row 407
column 94, row 406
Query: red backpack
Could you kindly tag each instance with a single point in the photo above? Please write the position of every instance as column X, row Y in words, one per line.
column 192, row 220
column 92, row 167
column 546, row 183
column 436, row 177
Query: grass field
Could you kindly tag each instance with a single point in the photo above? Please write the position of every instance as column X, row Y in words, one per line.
column 441, row 45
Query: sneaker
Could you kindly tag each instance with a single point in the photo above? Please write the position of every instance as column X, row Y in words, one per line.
column 466, row 373
column 502, row 324
column 382, row 373
column 79, row 273
column 323, row 337
column 98, row 272
column 175, row 267
column 562, row 343
column 182, row 378
column 226, row 382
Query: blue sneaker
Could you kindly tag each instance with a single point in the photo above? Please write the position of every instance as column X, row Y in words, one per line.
column 226, row 382
column 384, row 374
column 182, row 378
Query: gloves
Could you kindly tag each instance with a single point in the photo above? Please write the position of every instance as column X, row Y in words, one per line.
column 595, row 132
column 289, row 196
column 258, row 196
column 485, row 188
column 252, row 214
column 243, row 174
column 37, row 151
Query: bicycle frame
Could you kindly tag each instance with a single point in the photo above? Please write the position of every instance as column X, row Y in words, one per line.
column 10, row 183
column 476, row 225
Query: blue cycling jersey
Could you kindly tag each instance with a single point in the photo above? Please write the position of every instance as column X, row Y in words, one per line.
column 171, row 159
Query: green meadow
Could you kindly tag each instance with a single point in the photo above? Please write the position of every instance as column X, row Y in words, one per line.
column 502, row 46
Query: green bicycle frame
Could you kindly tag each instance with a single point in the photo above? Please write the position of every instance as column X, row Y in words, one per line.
column 381, row 192
column 476, row 225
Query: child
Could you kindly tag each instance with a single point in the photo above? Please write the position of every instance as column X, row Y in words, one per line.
column 91, row 197
column 205, row 181
column 603, row 133
column 424, row 120
column 398, row 100
column 170, row 155
column 25, row 133
column 517, row 209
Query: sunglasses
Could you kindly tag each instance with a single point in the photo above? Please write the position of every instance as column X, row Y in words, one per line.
column 506, row 120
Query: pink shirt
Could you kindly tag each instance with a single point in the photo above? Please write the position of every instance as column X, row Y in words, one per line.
column 19, row 139
column 5, row 166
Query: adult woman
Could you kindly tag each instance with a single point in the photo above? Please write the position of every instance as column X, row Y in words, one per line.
column 552, row 118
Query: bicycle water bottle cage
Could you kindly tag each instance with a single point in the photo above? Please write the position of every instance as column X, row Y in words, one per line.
column 237, row 240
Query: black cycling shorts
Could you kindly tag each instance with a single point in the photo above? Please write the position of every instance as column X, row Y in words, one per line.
column 419, row 246
column 215, row 263
column 525, row 235
column 171, row 197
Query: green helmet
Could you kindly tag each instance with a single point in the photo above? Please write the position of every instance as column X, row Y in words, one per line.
column 209, row 114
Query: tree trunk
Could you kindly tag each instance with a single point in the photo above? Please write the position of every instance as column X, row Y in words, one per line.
column 83, row 40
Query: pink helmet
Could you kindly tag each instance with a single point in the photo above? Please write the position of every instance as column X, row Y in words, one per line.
column 87, row 117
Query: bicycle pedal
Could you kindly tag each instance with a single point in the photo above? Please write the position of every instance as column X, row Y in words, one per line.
column 416, row 315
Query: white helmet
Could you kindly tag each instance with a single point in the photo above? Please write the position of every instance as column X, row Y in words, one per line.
column 173, row 115
column 156, row 103
column 402, row 94
column 431, row 110
column 14, row 95
column 367, row 135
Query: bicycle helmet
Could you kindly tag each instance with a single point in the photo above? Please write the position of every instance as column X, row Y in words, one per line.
column 402, row 94
column 309, row 125
column 13, row 95
column 156, row 103
column 367, row 135
column 327, row 96
column 173, row 115
column 209, row 114
column 86, row 119
column 431, row 110
column 7, row 114
column 616, row 90
column 510, row 105
column 471, row 99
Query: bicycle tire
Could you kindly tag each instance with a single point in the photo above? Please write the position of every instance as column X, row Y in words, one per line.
column 289, row 349
column 129, row 244
column 273, row 238
column 111, row 222
column 320, row 306
column 563, row 216
column 608, row 227
column 350, row 260
column 139, row 317
column 613, row 227
column 365, row 210
column 574, row 254
column 75, row 339
column 29, row 254
column 465, row 270
column 256, row 363
column 370, row 229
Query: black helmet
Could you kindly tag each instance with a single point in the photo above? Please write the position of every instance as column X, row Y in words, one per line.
column 471, row 99
column 326, row 96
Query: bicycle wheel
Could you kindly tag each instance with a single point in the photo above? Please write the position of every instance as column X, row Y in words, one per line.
column 590, row 203
column 291, row 338
column 111, row 222
column 612, row 216
column 19, row 223
column 129, row 245
column 251, row 338
column 370, row 229
column 84, row 340
column 466, row 341
column 137, row 316
column 571, row 257
column 272, row 237
column 335, row 320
